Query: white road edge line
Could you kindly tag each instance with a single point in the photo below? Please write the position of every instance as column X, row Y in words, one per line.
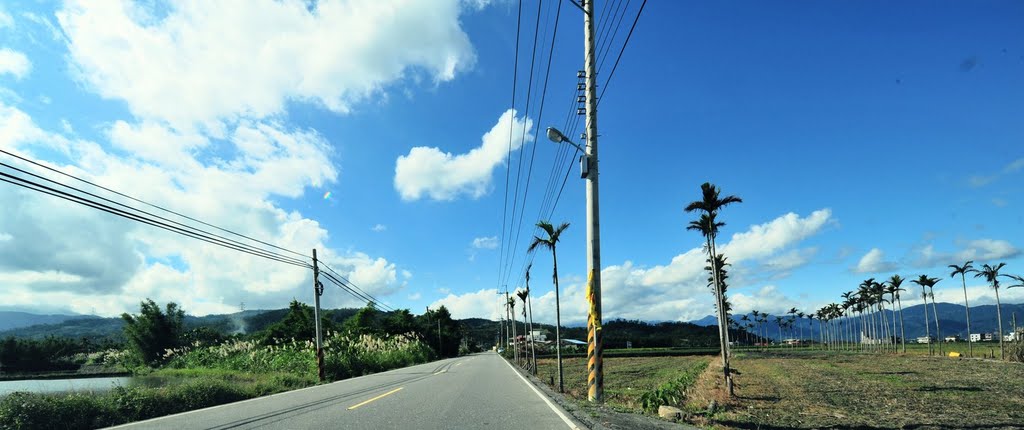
column 542, row 396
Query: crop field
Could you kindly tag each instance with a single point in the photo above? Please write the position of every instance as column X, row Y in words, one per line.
column 817, row 389
column 808, row 388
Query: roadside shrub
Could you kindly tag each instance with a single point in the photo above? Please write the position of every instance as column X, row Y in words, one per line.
column 44, row 411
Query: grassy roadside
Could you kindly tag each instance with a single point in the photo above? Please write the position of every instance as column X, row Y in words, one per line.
column 182, row 390
column 627, row 379
column 201, row 376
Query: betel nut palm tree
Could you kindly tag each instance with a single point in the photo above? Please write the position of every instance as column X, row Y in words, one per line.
column 924, row 281
column 515, row 336
column 935, row 313
column 963, row 271
column 709, row 205
column 991, row 274
column 894, row 287
column 529, row 305
column 550, row 242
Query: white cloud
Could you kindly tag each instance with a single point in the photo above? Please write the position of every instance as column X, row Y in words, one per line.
column 1014, row 166
column 208, row 61
column 480, row 304
column 485, row 242
column 379, row 228
column 107, row 264
column 429, row 172
column 874, row 262
column 414, row 296
column 676, row 291
column 767, row 299
column 5, row 19
column 14, row 63
column 5, row 237
column 977, row 181
column 66, row 127
column 981, row 250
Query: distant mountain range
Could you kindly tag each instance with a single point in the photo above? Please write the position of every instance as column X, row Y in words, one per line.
column 28, row 325
column 952, row 320
column 12, row 319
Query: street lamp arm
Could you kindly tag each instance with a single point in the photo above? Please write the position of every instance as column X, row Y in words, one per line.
column 556, row 136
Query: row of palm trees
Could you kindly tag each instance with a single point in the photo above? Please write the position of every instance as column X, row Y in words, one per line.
column 866, row 308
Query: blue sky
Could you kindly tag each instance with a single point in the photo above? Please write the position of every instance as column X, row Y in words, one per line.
column 866, row 139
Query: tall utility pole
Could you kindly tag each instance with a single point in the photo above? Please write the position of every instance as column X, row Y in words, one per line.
column 318, row 290
column 595, row 363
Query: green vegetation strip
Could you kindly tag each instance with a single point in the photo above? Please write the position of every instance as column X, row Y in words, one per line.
column 627, row 380
column 187, row 389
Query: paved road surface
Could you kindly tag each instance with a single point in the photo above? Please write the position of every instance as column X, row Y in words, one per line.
column 479, row 391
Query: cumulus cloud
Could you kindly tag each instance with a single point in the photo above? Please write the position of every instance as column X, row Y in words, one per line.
column 479, row 304
column 379, row 228
column 97, row 263
column 201, row 61
column 675, row 291
column 14, row 63
column 981, row 250
column 430, row 172
column 874, row 262
column 766, row 299
column 485, row 242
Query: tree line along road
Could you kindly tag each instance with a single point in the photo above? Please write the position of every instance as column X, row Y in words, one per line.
column 479, row 391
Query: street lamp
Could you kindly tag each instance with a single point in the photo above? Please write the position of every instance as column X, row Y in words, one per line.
column 556, row 136
column 588, row 171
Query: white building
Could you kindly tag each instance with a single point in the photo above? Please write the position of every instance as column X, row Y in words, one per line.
column 924, row 339
column 537, row 336
column 975, row 337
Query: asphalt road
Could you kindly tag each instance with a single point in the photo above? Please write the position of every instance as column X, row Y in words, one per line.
column 479, row 391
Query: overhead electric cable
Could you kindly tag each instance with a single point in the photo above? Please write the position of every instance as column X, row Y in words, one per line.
column 34, row 186
column 147, row 203
column 508, row 159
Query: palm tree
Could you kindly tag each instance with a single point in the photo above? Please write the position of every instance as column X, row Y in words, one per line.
column 924, row 281
column 938, row 333
column 962, row 271
column 895, row 283
column 746, row 321
column 515, row 337
column 709, row 205
column 549, row 243
column 524, row 295
column 529, row 304
column 991, row 274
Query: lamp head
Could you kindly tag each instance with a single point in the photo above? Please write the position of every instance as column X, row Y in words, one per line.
column 555, row 136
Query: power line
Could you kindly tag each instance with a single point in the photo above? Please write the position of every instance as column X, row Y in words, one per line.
column 95, row 201
column 34, row 186
column 508, row 159
column 604, row 52
column 529, row 92
column 147, row 203
column 619, row 57
column 349, row 284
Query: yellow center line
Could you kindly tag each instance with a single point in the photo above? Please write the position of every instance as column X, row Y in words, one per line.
column 460, row 363
column 376, row 398
column 438, row 373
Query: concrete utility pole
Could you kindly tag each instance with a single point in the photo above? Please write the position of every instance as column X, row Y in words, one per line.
column 595, row 363
column 318, row 290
